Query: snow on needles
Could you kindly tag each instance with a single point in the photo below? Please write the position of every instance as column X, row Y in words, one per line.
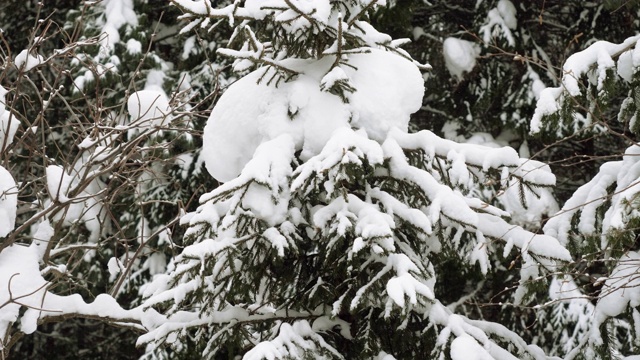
column 590, row 197
column 598, row 58
column 117, row 14
column 249, row 113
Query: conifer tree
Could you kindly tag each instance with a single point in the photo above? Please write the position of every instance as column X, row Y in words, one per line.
column 309, row 217
column 598, row 94
column 336, row 233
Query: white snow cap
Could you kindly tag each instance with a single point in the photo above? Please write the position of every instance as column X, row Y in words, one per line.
column 8, row 202
column 389, row 90
column 460, row 56
column 25, row 61
column 148, row 108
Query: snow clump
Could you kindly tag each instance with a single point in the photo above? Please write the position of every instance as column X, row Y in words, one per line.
column 460, row 56
column 251, row 112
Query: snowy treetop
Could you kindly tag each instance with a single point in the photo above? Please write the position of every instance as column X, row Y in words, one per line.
column 295, row 29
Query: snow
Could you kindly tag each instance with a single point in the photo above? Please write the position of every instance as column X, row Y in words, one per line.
column 539, row 203
column 598, row 59
column 627, row 188
column 484, row 157
column 117, row 16
column 547, row 104
column 467, row 348
column 621, row 289
column 405, row 284
column 508, row 13
column 295, row 341
column 345, row 146
column 397, row 208
column 591, row 196
column 479, row 254
column 149, row 108
column 114, row 266
column 320, row 10
column 197, row 7
column 249, row 113
column 542, row 245
column 25, row 61
column 276, row 239
column 24, row 287
column 58, row 183
column 189, row 47
column 8, row 202
column 86, row 206
column 117, row 13
column 500, row 21
column 8, row 123
column 460, row 56
column 335, row 75
column 598, row 53
column 20, row 279
column 625, row 66
column 256, row 136
column 41, row 238
column 266, row 176
column 134, row 47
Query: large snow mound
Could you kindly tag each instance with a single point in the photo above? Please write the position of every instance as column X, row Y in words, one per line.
column 388, row 87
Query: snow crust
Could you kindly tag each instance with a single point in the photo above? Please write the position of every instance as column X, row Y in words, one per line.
column 249, row 113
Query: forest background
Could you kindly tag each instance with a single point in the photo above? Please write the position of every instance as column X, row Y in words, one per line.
column 501, row 220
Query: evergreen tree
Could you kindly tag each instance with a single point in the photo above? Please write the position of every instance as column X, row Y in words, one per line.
column 600, row 220
column 335, row 231
column 332, row 227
